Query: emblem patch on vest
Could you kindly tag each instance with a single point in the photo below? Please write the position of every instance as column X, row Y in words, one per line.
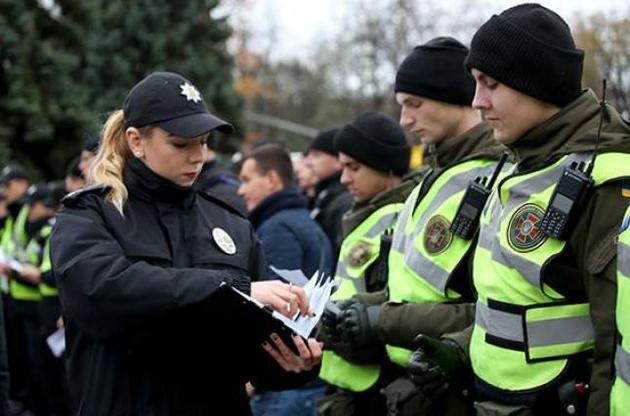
column 358, row 255
column 437, row 235
column 524, row 229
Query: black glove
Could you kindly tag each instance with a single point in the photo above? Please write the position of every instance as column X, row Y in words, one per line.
column 328, row 332
column 357, row 324
column 435, row 364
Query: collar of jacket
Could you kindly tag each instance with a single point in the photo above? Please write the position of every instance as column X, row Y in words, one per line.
column 142, row 182
column 288, row 198
column 472, row 144
column 363, row 209
column 331, row 184
column 573, row 129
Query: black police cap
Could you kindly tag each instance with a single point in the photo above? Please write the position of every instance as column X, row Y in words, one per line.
column 13, row 171
column 170, row 101
column 49, row 194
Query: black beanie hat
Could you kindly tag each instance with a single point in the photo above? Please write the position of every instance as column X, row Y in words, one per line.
column 436, row 70
column 376, row 141
column 529, row 48
column 324, row 141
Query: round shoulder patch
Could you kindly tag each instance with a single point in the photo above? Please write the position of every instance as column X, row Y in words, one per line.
column 358, row 255
column 437, row 235
column 524, row 233
column 223, row 241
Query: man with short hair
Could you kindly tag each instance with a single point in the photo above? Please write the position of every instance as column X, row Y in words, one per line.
column 291, row 240
column 332, row 199
column 544, row 332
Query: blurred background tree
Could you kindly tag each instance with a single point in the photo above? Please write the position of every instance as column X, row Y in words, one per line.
column 66, row 64
column 606, row 42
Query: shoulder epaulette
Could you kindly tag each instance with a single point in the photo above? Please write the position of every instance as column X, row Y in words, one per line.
column 73, row 197
column 222, row 203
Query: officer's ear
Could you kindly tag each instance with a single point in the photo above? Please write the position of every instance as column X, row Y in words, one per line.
column 134, row 141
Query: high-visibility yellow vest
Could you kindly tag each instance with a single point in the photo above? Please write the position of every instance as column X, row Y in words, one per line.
column 359, row 250
column 6, row 245
column 45, row 289
column 620, row 395
column 424, row 251
column 32, row 253
column 524, row 330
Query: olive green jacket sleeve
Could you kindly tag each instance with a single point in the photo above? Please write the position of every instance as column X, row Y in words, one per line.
column 594, row 244
column 372, row 298
column 399, row 323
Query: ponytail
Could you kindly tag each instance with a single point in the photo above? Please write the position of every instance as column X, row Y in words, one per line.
column 111, row 160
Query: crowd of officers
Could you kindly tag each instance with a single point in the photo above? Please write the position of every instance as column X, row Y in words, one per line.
column 462, row 289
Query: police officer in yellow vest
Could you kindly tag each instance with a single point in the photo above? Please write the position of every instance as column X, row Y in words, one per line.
column 620, row 396
column 546, row 287
column 374, row 155
column 428, row 283
column 26, row 269
column 15, row 182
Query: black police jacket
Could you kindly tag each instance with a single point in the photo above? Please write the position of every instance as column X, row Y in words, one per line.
column 331, row 202
column 143, row 336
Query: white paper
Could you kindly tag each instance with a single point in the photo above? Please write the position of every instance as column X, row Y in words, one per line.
column 318, row 290
column 57, row 342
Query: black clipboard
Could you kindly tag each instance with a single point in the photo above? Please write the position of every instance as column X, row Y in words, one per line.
column 253, row 321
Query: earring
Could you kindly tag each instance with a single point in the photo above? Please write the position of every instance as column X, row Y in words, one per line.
column 138, row 154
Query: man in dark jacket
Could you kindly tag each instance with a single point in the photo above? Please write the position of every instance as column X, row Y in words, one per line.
column 291, row 240
column 332, row 199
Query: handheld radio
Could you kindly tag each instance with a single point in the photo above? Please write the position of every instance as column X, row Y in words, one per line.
column 468, row 213
column 572, row 190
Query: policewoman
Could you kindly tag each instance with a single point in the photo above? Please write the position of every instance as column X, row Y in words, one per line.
column 137, row 258
column 374, row 155
column 543, row 338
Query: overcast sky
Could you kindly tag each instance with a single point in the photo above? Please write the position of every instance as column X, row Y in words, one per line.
column 299, row 23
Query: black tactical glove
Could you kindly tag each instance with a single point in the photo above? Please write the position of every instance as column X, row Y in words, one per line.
column 435, row 364
column 357, row 324
column 328, row 332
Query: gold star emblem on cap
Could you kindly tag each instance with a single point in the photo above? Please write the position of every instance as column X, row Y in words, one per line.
column 190, row 92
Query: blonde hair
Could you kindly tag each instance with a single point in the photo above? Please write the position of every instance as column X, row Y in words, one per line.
column 111, row 160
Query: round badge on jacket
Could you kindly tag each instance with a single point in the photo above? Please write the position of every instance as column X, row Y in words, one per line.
column 524, row 233
column 358, row 255
column 437, row 235
column 223, row 240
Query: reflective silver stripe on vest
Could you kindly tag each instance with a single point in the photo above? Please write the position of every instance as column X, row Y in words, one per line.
column 623, row 259
column 385, row 222
column 398, row 240
column 342, row 272
column 559, row 331
column 431, row 272
column 543, row 333
column 622, row 364
column 519, row 194
column 498, row 323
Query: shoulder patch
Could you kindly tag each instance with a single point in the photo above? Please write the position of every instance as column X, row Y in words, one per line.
column 222, row 203
column 75, row 196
